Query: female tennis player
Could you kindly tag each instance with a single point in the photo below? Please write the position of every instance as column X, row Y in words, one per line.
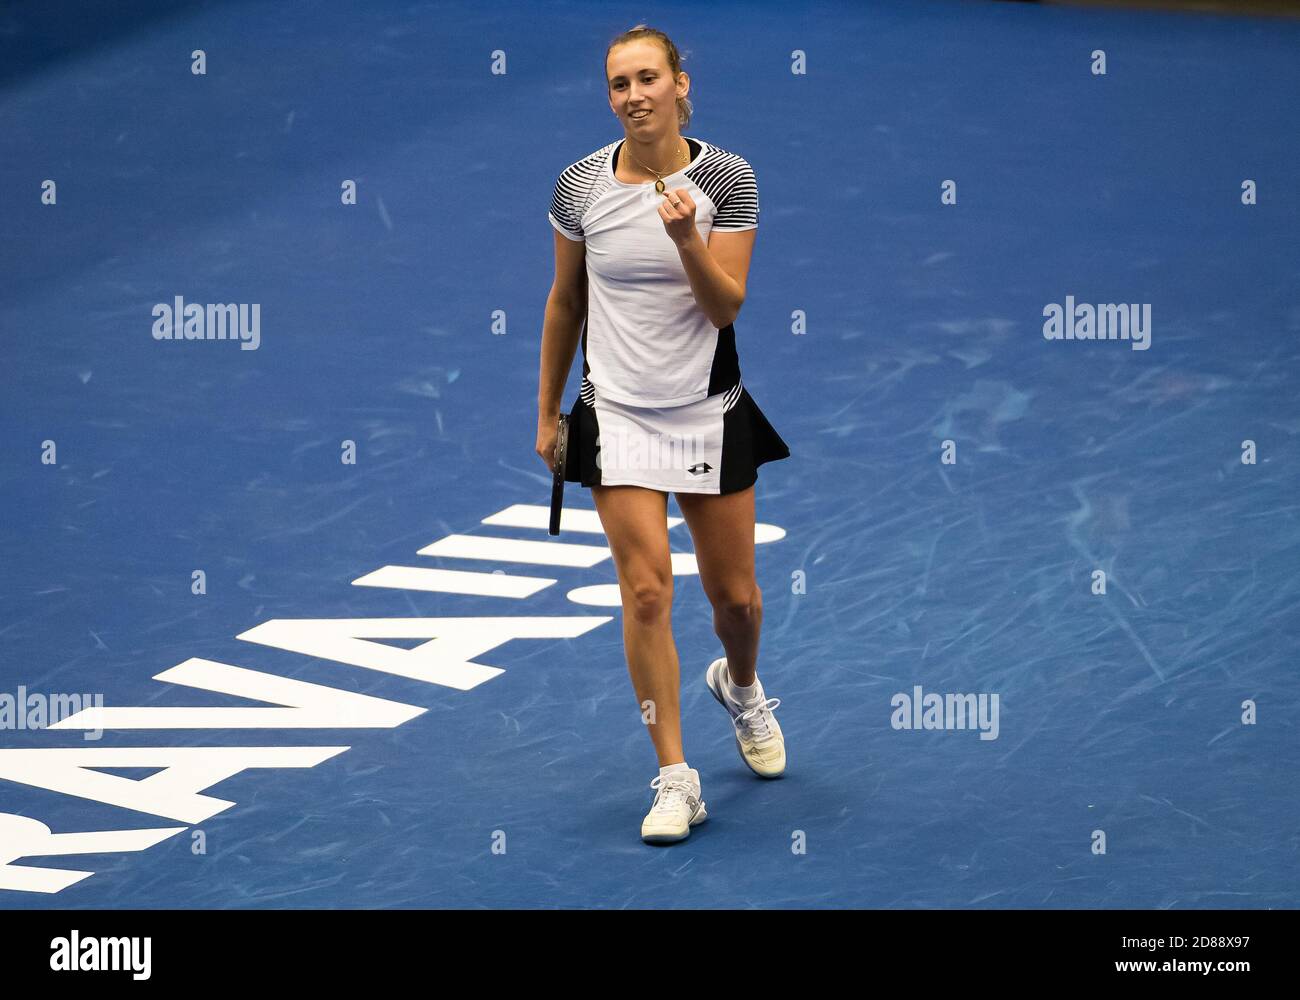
column 653, row 238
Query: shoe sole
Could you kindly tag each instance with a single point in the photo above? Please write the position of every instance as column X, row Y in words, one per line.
column 708, row 682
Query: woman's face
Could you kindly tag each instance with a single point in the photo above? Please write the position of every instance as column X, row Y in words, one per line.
column 639, row 80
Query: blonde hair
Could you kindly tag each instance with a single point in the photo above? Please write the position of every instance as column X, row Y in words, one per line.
column 684, row 106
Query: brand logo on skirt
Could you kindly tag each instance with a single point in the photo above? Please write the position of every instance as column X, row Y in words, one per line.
column 700, row 468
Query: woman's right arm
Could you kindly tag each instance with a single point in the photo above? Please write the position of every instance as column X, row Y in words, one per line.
column 566, row 308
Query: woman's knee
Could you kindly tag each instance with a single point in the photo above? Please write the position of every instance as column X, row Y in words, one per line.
column 739, row 604
column 649, row 597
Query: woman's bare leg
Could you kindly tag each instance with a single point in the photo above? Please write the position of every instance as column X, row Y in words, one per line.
column 722, row 529
column 635, row 520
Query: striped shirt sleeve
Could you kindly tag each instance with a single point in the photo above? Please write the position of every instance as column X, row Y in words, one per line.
column 738, row 208
column 563, row 214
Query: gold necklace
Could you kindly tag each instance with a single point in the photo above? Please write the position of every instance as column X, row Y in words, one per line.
column 659, row 182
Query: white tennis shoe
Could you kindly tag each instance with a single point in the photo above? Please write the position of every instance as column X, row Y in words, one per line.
column 677, row 807
column 758, row 735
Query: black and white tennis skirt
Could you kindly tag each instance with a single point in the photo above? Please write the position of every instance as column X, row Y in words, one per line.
column 714, row 445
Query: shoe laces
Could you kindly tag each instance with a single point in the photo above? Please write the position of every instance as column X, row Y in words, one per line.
column 756, row 719
column 672, row 789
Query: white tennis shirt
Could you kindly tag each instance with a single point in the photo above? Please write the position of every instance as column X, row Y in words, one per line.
column 646, row 342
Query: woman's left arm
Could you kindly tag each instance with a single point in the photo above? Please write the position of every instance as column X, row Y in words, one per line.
column 717, row 270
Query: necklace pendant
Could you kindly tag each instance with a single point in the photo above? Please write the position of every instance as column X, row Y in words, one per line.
column 659, row 186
